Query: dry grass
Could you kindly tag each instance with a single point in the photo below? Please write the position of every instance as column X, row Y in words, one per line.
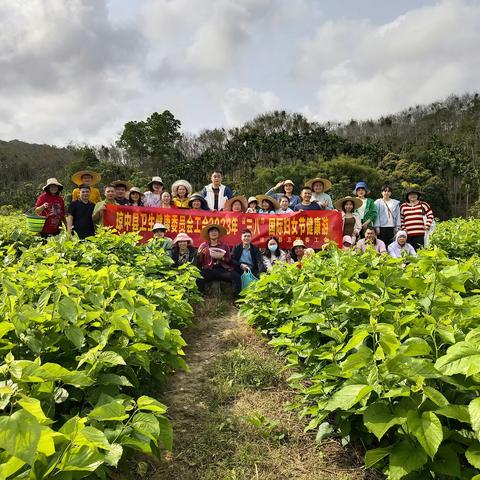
column 230, row 414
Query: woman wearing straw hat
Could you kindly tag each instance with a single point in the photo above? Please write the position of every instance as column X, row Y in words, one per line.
column 352, row 224
column 252, row 205
column 197, row 202
column 51, row 205
column 236, row 204
column 183, row 250
column 135, row 197
column 298, row 251
column 86, row 177
column 368, row 210
column 160, row 239
column 181, row 191
column 319, row 186
column 153, row 196
column 215, row 261
column 267, row 204
column 287, row 187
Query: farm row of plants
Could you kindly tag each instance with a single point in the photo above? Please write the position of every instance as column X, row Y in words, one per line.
column 87, row 331
column 383, row 354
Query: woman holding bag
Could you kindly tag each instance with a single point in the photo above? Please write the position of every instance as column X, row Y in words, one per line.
column 387, row 223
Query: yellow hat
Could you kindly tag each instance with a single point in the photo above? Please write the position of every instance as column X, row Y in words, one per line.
column 77, row 177
column 327, row 184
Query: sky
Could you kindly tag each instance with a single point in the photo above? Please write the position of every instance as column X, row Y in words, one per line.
column 78, row 70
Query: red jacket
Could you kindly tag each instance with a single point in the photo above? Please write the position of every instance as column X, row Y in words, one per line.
column 205, row 261
column 55, row 212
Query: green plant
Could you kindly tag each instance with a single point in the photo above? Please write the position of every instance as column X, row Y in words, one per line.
column 85, row 328
column 458, row 237
column 385, row 354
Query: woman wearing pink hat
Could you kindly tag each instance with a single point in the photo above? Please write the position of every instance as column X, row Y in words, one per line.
column 183, row 250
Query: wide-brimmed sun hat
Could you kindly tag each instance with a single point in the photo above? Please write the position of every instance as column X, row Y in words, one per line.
column 197, row 196
column 77, row 177
column 181, row 183
column 239, row 198
column 361, row 185
column 182, row 237
column 327, row 184
column 159, row 226
column 252, row 199
column 357, row 203
column 154, row 180
column 53, row 181
column 125, row 183
column 135, row 190
column 274, row 202
column 298, row 243
column 412, row 190
column 204, row 233
column 288, row 181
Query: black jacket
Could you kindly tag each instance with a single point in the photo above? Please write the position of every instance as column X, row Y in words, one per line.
column 192, row 254
column 256, row 258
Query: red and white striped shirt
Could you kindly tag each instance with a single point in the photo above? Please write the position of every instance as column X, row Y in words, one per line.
column 412, row 218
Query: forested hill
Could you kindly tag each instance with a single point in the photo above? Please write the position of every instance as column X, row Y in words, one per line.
column 435, row 147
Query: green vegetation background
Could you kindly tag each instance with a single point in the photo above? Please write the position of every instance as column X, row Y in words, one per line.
column 435, row 147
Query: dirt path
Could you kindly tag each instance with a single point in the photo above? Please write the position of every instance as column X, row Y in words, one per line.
column 229, row 412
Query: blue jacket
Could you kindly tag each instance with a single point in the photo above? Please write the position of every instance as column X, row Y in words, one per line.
column 382, row 213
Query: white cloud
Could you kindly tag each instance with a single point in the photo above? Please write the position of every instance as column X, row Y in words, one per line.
column 66, row 71
column 242, row 104
column 364, row 70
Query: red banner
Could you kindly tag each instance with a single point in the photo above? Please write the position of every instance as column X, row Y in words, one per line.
column 313, row 227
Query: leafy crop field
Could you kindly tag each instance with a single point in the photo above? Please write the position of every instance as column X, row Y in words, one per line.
column 86, row 330
column 385, row 355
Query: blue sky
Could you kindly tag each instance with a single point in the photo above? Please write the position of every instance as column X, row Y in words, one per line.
column 76, row 71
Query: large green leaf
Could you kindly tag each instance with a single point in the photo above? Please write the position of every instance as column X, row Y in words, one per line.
column 405, row 458
column 19, row 435
column 463, row 358
column 109, row 411
column 150, row 404
column 379, row 418
column 458, row 412
column 68, row 309
column 474, row 411
column 75, row 335
column 81, row 458
column 347, row 397
column 372, row 457
column 473, row 454
column 427, row 429
column 446, row 461
column 146, row 424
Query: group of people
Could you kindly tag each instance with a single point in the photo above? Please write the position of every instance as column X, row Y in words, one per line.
column 384, row 224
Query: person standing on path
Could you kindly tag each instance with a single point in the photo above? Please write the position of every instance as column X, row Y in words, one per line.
column 287, row 186
column 306, row 203
column 387, row 222
column 216, row 194
column 416, row 218
column 51, row 205
column 86, row 177
column 79, row 216
column 100, row 207
column 367, row 211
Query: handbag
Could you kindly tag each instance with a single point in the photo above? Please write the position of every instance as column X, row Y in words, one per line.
column 247, row 278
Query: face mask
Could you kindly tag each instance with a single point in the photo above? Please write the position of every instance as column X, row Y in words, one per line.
column 273, row 248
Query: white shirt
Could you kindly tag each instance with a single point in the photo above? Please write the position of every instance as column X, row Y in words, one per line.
column 361, row 210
